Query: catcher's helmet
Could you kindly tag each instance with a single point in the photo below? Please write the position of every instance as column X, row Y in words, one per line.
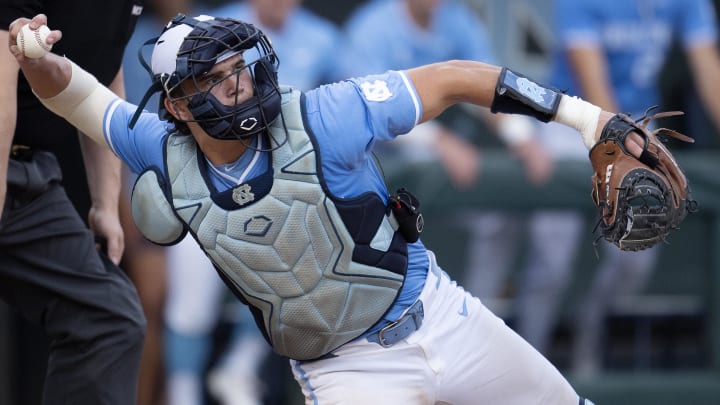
column 189, row 47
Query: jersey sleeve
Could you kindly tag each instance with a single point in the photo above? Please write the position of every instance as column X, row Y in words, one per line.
column 349, row 117
column 140, row 147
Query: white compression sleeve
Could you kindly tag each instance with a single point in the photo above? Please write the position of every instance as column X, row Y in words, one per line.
column 581, row 115
column 82, row 103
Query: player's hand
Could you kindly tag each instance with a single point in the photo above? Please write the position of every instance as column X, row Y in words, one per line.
column 634, row 142
column 35, row 23
column 539, row 164
column 641, row 199
column 105, row 222
column 460, row 159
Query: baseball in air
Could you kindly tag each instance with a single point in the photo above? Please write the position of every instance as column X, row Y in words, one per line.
column 32, row 43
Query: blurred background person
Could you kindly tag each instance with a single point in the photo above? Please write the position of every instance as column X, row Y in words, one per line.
column 611, row 53
column 399, row 34
column 306, row 41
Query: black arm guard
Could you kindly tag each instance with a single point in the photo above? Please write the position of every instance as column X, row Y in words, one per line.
column 516, row 94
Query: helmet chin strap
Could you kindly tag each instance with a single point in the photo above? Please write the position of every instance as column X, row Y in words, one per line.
column 155, row 87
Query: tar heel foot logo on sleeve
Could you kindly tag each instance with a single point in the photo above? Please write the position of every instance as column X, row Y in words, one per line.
column 531, row 90
column 375, row 91
column 242, row 194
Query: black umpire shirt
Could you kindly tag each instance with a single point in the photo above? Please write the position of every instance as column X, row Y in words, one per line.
column 95, row 33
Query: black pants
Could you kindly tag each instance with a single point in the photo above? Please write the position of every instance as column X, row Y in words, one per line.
column 52, row 274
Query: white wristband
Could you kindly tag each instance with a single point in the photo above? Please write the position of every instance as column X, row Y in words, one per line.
column 581, row 115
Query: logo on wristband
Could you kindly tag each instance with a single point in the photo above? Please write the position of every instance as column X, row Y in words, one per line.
column 531, row 90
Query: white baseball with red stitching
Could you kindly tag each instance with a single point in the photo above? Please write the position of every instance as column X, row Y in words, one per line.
column 32, row 42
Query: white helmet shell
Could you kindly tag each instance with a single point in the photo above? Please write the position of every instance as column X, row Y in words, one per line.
column 165, row 52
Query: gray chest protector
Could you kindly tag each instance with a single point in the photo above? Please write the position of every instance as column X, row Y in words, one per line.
column 316, row 270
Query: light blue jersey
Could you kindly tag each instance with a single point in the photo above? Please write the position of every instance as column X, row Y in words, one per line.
column 347, row 119
column 382, row 35
column 307, row 45
column 635, row 36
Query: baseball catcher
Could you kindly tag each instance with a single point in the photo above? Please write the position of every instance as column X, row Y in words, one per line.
column 640, row 199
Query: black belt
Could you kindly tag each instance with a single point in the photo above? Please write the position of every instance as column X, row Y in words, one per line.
column 400, row 329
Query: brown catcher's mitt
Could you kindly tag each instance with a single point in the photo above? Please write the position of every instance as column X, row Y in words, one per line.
column 640, row 199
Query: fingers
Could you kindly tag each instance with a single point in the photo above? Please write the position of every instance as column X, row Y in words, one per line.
column 634, row 144
column 460, row 159
column 36, row 22
column 115, row 248
column 13, row 30
column 539, row 170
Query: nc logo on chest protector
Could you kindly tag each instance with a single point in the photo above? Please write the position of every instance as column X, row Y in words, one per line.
column 242, row 194
column 375, row 91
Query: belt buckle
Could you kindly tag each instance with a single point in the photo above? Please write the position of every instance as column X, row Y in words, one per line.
column 415, row 312
column 20, row 152
column 381, row 332
column 18, row 148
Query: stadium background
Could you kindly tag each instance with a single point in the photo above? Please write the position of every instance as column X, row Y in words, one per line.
column 663, row 346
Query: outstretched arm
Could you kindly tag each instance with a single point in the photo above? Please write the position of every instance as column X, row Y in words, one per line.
column 51, row 75
column 62, row 86
column 443, row 84
column 439, row 86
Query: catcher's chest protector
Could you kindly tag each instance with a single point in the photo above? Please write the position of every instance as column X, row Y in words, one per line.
column 288, row 248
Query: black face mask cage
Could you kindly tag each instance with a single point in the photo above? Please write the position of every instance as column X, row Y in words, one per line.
column 211, row 40
column 238, row 120
column 199, row 52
